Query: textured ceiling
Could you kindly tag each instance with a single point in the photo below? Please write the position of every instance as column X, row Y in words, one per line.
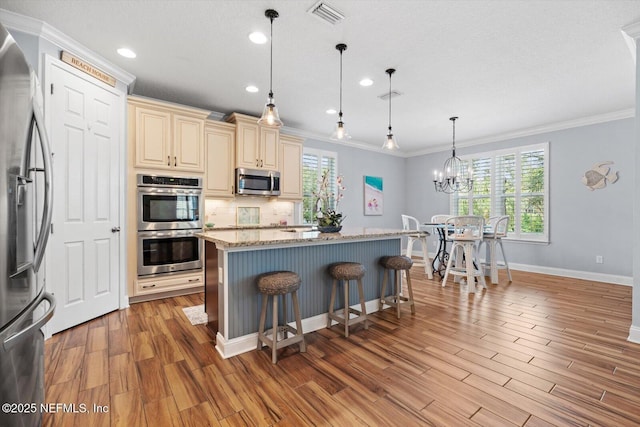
column 501, row 66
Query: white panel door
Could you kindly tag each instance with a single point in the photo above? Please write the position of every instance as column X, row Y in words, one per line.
column 83, row 252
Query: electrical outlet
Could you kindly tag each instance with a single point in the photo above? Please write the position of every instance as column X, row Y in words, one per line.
column 599, row 259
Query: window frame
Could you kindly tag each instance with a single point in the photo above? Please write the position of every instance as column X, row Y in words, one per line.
column 516, row 234
column 320, row 155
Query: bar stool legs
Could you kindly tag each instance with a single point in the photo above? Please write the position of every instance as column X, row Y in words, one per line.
column 396, row 265
column 345, row 272
column 273, row 285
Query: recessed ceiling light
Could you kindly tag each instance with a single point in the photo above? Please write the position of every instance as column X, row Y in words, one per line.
column 366, row 82
column 331, row 111
column 257, row 37
column 126, row 52
column 251, row 89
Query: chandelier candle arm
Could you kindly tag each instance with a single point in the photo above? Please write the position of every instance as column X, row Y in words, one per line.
column 270, row 116
column 454, row 177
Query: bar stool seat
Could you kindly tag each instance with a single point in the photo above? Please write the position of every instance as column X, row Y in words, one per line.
column 345, row 272
column 396, row 264
column 272, row 285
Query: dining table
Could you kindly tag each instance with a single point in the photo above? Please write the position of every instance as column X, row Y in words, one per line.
column 440, row 260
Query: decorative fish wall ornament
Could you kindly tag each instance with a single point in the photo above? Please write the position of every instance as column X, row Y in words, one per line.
column 598, row 176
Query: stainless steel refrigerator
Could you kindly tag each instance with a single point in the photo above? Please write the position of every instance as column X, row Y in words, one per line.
column 25, row 220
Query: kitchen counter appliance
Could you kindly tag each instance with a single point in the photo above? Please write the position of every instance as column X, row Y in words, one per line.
column 257, row 182
column 168, row 218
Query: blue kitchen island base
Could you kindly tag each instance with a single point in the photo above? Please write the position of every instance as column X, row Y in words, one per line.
column 238, row 299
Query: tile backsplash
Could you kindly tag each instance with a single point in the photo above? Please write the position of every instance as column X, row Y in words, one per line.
column 225, row 213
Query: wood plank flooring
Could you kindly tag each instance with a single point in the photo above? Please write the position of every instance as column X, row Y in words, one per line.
column 540, row 351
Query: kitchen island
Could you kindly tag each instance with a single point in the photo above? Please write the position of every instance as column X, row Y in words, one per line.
column 234, row 259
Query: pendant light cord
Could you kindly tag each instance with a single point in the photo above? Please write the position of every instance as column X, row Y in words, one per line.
column 341, row 83
column 390, row 71
column 271, row 60
column 341, row 47
column 453, row 119
column 390, row 101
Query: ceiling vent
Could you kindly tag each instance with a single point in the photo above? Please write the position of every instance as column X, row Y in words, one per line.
column 327, row 13
column 394, row 93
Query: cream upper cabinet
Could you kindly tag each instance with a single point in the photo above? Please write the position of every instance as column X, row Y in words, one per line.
column 220, row 146
column 269, row 148
column 256, row 146
column 153, row 137
column 167, row 136
column 290, row 167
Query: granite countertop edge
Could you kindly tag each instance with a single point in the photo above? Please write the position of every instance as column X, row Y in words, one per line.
column 308, row 236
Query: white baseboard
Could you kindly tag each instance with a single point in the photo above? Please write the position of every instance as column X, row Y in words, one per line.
column 564, row 272
column 245, row 343
column 634, row 334
column 576, row 274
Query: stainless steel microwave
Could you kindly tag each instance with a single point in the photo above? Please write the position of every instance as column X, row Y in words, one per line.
column 257, row 182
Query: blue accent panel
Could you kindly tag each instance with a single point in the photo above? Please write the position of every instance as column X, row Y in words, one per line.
column 310, row 262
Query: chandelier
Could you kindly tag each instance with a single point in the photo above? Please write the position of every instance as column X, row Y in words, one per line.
column 455, row 175
column 270, row 115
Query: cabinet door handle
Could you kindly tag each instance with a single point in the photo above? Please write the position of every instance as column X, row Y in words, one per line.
column 257, row 162
column 175, row 161
column 194, row 280
column 148, row 286
column 261, row 163
column 168, row 160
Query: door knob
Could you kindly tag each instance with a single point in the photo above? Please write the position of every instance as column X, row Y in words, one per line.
column 115, row 230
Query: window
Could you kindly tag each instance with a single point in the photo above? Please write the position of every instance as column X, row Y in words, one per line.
column 511, row 182
column 314, row 162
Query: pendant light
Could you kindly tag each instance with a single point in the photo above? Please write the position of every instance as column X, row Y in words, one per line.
column 390, row 143
column 340, row 133
column 270, row 115
column 455, row 176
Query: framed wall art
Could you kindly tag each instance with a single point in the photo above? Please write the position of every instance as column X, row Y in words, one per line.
column 373, row 195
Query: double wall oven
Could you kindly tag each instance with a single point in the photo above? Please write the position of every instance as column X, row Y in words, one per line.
column 168, row 219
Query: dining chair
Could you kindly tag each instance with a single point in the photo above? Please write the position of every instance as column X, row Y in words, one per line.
column 420, row 236
column 466, row 235
column 492, row 237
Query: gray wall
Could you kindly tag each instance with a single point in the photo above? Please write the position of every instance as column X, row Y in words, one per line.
column 354, row 164
column 582, row 223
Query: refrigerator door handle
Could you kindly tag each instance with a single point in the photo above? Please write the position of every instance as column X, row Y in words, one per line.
column 14, row 338
column 43, row 236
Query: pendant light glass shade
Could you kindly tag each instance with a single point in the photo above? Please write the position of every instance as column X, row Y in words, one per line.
column 270, row 116
column 390, row 143
column 456, row 175
column 340, row 133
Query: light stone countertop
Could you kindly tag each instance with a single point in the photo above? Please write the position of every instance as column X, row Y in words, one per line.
column 293, row 236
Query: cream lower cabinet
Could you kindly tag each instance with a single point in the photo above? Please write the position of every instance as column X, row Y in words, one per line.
column 256, row 146
column 167, row 136
column 290, row 167
column 220, row 145
column 181, row 282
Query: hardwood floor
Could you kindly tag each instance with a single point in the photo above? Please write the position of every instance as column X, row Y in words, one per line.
column 540, row 351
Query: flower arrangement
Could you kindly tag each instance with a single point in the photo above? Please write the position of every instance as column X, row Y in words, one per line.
column 326, row 215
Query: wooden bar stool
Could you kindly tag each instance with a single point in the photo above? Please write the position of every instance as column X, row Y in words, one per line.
column 271, row 285
column 344, row 272
column 396, row 264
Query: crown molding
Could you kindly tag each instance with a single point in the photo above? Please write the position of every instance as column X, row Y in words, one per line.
column 552, row 127
column 631, row 33
column 35, row 27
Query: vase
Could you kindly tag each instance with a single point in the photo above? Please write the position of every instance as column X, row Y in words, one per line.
column 329, row 228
